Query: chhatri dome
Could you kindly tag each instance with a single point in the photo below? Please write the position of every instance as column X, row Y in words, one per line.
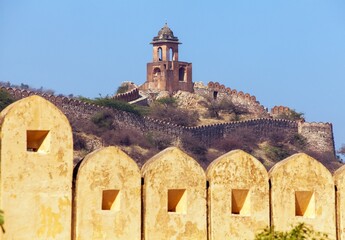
column 166, row 72
column 165, row 35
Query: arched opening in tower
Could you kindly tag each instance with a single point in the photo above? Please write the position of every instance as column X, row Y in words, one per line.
column 160, row 54
column 171, row 54
column 182, row 74
column 156, row 72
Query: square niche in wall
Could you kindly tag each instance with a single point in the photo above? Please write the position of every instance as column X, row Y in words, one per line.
column 240, row 202
column 305, row 204
column 111, row 200
column 38, row 141
column 177, row 200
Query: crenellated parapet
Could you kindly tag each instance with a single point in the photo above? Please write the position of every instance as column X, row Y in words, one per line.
column 276, row 110
column 261, row 128
column 219, row 91
column 128, row 96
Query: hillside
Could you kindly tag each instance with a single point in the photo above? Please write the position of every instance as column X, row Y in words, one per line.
column 182, row 120
column 190, row 110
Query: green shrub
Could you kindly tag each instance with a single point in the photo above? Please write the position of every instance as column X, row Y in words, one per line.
column 79, row 143
column 115, row 104
column 291, row 115
column 167, row 101
column 159, row 140
column 224, row 105
column 276, row 152
column 299, row 232
column 2, row 221
column 103, row 119
column 299, row 141
column 122, row 89
column 85, row 99
column 5, row 99
column 193, row 145
column 245, row 140
column 178, row 116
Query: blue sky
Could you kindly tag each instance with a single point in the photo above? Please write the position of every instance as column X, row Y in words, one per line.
column 285, row 52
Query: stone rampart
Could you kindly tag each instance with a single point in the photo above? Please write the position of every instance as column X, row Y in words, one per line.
column 261, row 128
column 247, row 101
column 128, row 96
column 319, row 135
column 276, row 110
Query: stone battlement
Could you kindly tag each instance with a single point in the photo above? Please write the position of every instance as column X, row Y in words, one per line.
column 240, row 98
column 128, row 96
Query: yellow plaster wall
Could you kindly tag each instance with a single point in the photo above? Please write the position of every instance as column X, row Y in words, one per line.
column 237, row 178
column 339, row 178
column 108, row 197
column 36, row 187
column 174, row 170
column 292, row 180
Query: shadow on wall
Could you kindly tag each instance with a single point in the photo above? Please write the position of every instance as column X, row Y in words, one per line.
column 171, row 197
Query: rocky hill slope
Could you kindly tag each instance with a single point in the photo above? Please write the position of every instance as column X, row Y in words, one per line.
column 180, row 121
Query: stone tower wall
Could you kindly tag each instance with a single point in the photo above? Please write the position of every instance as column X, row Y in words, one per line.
column 319, row 136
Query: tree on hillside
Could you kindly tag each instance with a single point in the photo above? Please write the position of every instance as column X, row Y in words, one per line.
column 292, row 115
column 166, row 109
column 122, row 89
column 5, row 99
column 216, row 106
column 341, row 151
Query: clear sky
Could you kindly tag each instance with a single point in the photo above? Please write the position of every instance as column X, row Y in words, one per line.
column 285, row 52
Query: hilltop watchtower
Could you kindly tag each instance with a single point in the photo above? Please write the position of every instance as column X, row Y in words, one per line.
column 166, row 72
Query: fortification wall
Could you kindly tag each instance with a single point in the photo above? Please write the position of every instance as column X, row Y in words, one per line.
column 36, row 170
column 171, row 197
column 261, row 128
column 319, row 135
column 128, row 96
column 276, row 110
column 80, row 109
column 239, row 98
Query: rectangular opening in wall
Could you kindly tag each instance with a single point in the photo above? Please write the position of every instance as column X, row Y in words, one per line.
column 37, row 141
column 240, row 202
column 215, row 94
column 305, row 204
column 111, row 200
column 177, row 200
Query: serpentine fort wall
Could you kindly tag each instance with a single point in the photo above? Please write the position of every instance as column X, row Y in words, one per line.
column 319, row 135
